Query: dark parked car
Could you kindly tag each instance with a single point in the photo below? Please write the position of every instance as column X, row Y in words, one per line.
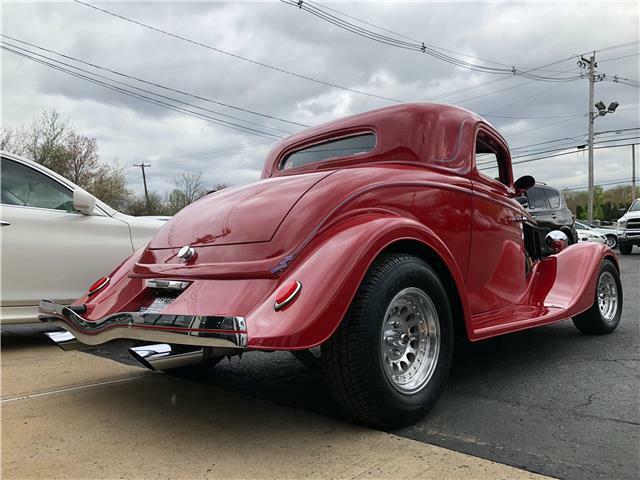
column 548, row 207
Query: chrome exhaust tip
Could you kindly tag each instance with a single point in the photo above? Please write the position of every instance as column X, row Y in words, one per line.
column 163, row 356
column 66, row 341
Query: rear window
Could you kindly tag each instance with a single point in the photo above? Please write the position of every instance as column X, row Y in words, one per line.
column 329, row 150
column 536, row 198
column 554, row 198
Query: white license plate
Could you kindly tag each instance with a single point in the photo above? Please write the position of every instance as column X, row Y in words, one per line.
column 158, row 304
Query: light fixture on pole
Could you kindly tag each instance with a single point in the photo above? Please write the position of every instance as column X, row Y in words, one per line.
column 602, row 110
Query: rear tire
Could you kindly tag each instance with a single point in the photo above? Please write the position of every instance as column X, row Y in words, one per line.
column 604, row 315
column 625, row 249
column 388, row 362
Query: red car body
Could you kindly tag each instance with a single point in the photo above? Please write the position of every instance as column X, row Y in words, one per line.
column 323, row 225
column 276, row 264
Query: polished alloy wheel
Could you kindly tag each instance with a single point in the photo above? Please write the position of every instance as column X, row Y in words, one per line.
column 611, row 241
column 410, row 340
column 607, row 296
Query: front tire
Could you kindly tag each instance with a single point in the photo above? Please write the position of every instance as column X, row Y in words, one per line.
column 604, row 315
column 612, row 241
column 388, row 362
column 625, row 249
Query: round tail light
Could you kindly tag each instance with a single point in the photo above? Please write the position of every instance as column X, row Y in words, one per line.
column 287, row 295
column 99, row 285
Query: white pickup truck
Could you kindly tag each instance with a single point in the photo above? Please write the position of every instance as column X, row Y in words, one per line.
column 629, row 226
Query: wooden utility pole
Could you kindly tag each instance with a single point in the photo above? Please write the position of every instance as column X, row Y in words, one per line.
column 144, row 181
column 633, row 173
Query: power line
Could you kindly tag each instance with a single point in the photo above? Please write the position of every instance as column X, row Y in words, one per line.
column 417, row 46
column 140, row 96
column 600, row 184
column 562, row 154
column 164, row 87
column 237, row 56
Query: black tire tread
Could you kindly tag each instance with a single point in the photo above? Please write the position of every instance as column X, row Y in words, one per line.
column 342, row 354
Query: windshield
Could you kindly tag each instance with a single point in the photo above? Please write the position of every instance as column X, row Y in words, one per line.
column 582, row 226
column 635, row 206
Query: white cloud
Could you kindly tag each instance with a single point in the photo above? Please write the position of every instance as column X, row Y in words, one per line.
column 129, row 130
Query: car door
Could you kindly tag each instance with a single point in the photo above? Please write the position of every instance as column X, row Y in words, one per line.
column 50, row 251
column 497, row 271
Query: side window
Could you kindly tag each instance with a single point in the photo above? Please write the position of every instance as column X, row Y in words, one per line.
column 536, row 199
column 23, row 186
column 490, row 159
column 554, row 198
column 330, row 150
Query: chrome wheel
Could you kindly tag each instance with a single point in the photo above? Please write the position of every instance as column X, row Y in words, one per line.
column 607, row 296
column 611, row 241
column 410, row 341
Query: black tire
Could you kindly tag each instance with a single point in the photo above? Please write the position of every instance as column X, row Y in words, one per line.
column 310, row 359
column 352, row 357
column 625, row 249
column 592, row 321
column 612, row 241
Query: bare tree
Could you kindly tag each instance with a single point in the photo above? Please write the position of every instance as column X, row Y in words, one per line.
column 110, row 185
column 46, row 140
column 13, row 141
column 189, row 188
column 82, row 159
column 191, row 185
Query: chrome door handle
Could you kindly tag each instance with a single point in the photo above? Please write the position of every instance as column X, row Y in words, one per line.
column 4, row 223
column 519, row 219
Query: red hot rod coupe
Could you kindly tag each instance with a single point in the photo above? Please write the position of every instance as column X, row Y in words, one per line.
column 378, row 238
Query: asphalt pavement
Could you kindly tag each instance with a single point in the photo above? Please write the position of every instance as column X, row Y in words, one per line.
column 549, row 400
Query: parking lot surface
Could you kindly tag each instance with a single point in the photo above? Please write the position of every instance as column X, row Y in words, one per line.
column 549, row 400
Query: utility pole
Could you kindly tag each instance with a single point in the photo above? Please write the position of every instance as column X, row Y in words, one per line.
column 592, row 80
column 144, row 180
column 633, row 173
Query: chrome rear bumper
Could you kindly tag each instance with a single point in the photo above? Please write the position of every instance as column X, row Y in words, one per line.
column 194, row 330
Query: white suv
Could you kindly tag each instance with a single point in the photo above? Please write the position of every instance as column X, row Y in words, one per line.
column 56, row 238
column 629, row 225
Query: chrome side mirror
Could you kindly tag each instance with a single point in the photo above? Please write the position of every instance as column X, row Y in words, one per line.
column 83, row 201
column 556, row 241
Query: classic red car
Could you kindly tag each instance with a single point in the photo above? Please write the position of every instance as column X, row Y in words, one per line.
column 378, row 237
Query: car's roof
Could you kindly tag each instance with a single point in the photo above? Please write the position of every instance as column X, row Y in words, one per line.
column 400, row 130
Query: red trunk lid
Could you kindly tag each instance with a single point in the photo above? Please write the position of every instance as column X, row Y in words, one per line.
column 245, row 214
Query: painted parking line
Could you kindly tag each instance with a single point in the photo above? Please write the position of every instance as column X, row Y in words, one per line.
column 70, row 389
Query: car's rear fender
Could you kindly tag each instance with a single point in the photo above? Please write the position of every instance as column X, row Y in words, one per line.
column 330, row 270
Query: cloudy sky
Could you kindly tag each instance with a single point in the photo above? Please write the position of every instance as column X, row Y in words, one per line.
column 130, row 130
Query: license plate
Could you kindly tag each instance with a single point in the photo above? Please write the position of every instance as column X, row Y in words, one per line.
column 158, row 304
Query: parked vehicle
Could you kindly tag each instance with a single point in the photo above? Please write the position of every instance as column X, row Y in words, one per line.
column 56, row 238
column 591, row 236
column 546, row 204
column 377, row 237
column 610, row 234
column 629, row 224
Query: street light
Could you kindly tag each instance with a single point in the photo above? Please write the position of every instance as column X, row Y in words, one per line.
column 602, row 111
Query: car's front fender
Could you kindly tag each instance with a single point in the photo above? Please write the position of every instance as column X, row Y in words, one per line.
column 330, row 270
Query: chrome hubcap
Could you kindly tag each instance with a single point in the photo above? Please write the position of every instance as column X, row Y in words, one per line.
column 611, row 242
column 410, row 340
column 607, row 296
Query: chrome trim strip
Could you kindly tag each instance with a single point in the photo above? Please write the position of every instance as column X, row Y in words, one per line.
column 206, row 331
column 167, row 284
